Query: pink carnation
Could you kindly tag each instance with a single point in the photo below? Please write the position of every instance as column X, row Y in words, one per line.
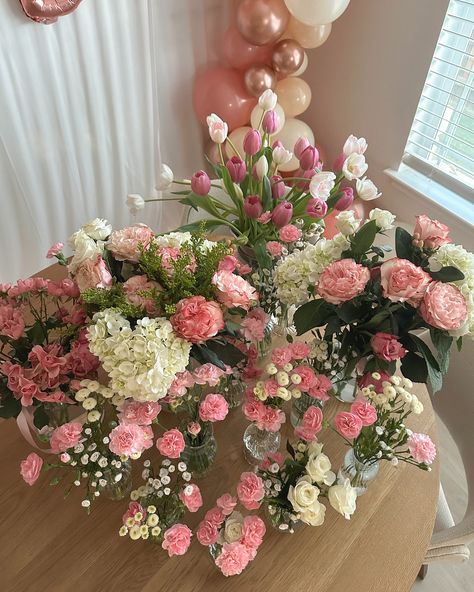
column 191, row 497
column 213, row 408
column 422, row 448
column 197, row 319
column 250, row 490
column 208, row 374
column 66, row 436
column 342, row 280
column 402, row 281
column 54, row 250
column 124, row 244
column 171, row 254
column 130, row 439
column 226, row 503
column 274, row 248
column 310, row 425
column 348, row 425
column 139, row 413
column 93, row 273
column 207, row 533
column 30, row 468
column 289, row 233
column 281, row 356
column 233, row 559
column 387, row 347
column 265, row 218
column 253, row 409
column 431, row 232
column 228, row 263
column 270, row 418
column 365, row 411
column 177, row 540
column 253, row 531
column 12, row 324
column 215, row 516
column 253, row 325
column 367, row 379
column 136, row 286
column 171, row 444
column 193, row 428
column 299, row 350
column 270, row 458
column 308, row 377
column 181, row 383
column 270, row 386
column 233, row 290
column 443, row 306
column 322, row 385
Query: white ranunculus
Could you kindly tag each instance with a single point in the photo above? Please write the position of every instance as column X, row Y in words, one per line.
column 314, row 515
column 85, row 248
column 165, row 178
column 347, row 223
column 366, row 189
column 354, row 145
column 318, row 468
column 135, row 202
column 303, row 495
column 321, row 184
column 383, row 218
column 233, row 528
column 342, row 498
column 268, row 100
column 261, row 167
column 281, row 155
column 98, row 229
column 354, row 166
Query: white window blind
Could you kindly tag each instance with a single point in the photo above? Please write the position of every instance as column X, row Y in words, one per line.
column 441, row 140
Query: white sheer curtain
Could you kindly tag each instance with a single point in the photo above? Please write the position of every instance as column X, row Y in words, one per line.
column 88, row 108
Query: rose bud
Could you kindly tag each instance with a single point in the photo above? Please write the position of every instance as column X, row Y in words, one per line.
column 282, row 214
column 253, row 206
column 200, row 183
column 237, row 169
column 270, row 122
column 346, row 199
column 316, row 208
column 252, row 142
column 309, row 158
column 278, row 187
column 300, row 145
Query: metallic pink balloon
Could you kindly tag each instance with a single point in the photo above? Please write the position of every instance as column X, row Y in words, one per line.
column 262, row 21
column 48, row 11
column 288, row 56
column 258, row 79
column 241, row 54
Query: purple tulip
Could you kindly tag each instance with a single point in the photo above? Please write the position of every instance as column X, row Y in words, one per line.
column 282, row 214
column 300, row 145
column 278, row 187
column 253, row 206
column 270, row 122
column 316, row 208
column 346, row 199
column 252, row 142
column 200, row 183
column 309, row 158
column 237, row 169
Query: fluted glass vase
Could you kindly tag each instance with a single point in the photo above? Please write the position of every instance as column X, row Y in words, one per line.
column 199, row 456
column 301, row 405
column 118, row 481
column 258, row 443
column 359, row 473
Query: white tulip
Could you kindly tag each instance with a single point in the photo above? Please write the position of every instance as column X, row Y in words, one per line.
column 268, row 100
column 261, row 168
column 218, row 129
column 354, row 166
column 366, row 189
column 165, row 178
column 281, row 155
column 354, row 145
column 135, row 202
column 321, row 185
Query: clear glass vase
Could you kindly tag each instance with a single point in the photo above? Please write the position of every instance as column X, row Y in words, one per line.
column 345, row 387
column 280, row 517
column 301, row 405
column 358, row 472
column 234, row 390
column 258, row 443
column 58, row 413
column 119, row 481
column 200, row 456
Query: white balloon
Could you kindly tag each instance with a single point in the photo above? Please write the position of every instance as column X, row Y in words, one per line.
column 303, row 66
column 292, row 130
column 316, row 12
column 257, row 112
column 237, row 138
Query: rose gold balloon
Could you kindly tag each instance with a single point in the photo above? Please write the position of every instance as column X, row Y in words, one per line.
column 294, row 95
column 261, row 21
column 48, row 11
column 307, row 36
column 241, row 54
column 288, row 56
column 258, row 79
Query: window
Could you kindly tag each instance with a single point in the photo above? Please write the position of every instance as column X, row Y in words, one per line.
column 441, row 140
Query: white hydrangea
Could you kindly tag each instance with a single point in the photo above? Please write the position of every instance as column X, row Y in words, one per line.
column 141, row 363
column 383, row 218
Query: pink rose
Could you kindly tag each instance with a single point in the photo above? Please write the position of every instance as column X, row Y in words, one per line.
column 402, row 281
column 30, row 468
column 197, row 319
column 213, row 408
column 93, row 273
column 270, row 418
column 66, row 436
column 233, row 290
column 254, row 324
column 12, row 324
column 124, row 244
column 348, row 425
column 422, row 448
column 431, row 232
column 342, row 280
column 310, row 425
column 177, row 539
column 308, row 377
column 226, row 503
column 215, row 516
column 274, row 248
column 136, row 286
column 443, row 306
column 133, row 508
column 139, row 413
column 365, row 411
column 207, row 533
column 171, row 444
column 299, row 350
column 289, row 233
column 281, row 356
column 233, row 559
column 387, row 347
column 208, row 374
column 228, row 263
column 130, row 439
column 191, row 497
column 319, row 390
column 250, row 490
column 54, row 250
column 253, row 531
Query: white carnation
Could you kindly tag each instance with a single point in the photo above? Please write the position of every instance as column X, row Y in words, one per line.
column 342, row 498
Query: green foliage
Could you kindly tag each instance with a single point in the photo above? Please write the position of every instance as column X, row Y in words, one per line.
column 115, row 297
column 447, row 274
column 363, row 239
column 403, row 244
column 443, row 343
column 314, row 313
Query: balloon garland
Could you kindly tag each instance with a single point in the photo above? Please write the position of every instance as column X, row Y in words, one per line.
column 265, row 47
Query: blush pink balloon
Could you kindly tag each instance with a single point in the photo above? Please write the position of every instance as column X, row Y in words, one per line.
column 222, row 91
column 48, row 11
column 241, row 54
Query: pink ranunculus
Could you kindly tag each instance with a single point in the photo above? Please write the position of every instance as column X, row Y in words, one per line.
column 254, row 324
column 402, row 281
column 171, row 444
column 422, row 448
column 207, row 533
column 367, row 379
column 208, row 374
column 124, row 244
column 233, row 559
column 93, row 273
column 30, row 468
column 299, row 350
column 443, row 306
column 65, row 436
column 253, row 531
column 281, row 356
column 228, row 263
column 270, row 418
column 130, row 439
column 133, row 508
column 191, row 497
column 140, row 413
column 193, row 428
column 342, row 280
column 308, row 377
column 387, row 347
column 226, row 503
column 431, row 232
column 289, row 233
column 250, row 490
column 213, row 408
column 348, row 425
column 177, row 539
column 54, row 250
column 197, row 319
column 319, row 390
column 365, row 411
column 310, row 425
column 182, row 382
column 233, row 290
column 135, row 288
column 274, row 248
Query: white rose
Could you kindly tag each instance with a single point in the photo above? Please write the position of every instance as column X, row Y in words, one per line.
column 354, row 166
column 366, row 189
column 165, row 178
column 315, row 448
column 281, row 155
column 314, row 515
column 383, row 218
column 318, row 468
column 135, row 202
column 98, row 229
column 261, row 167
column 84, row 248
column 233, row 528
column 303, row 495
column 321, row 185
column 342, row 498
column 268, row 100
column 354, row 145
column 347, row 223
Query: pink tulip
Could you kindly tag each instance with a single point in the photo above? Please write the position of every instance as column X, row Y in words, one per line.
column 253, row 206
column 309, row 158
column 346, row 199
column 278, row 187
column 316, row 208
column 337, row 166
column 277, row 144
column 270, row 122
column 237, row 169
column 200, row 183
column 300, row 145
column 304, row 185
column 252, row 142
column 282, row 214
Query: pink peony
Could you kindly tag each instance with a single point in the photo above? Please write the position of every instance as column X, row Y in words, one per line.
column 422, row 448
column 93, row 273
column 365, row 411
column 130, row 439
column 310, row 425
column 308, row 377
column 250, row 490
column 213, row 408
column 289, row 233
column 387, row 347
column 66, row 436
column 431, row 232
column 233, row 559
column 177, row 539
column 319, row 390
column 281, row 356
column 135, row 289
column 270, row 418
column 253, row 325
column 253, row 531
column 124, row 244
column 30, row 468
column 342, row 280
column 171, row 444
column 274, row 248
column 133, row 508
column 207, row 533
column 226, row 503
column 233, row 290
column 208, row 374
column 402, row 281
column 197, row 319
column 139, row 413
column 348, row 425
column 54, row 250
column 443, row 306
column 299, row 350
column 191, row 497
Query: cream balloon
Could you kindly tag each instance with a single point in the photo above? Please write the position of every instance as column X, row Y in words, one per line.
column 292, row 130
column 316, row 12
column 256, row 117
column 307, row 36
column 294, row 95
column 303, row 67
column 237, row 138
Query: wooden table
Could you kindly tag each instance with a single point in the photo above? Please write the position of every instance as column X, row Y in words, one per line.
column 48, row 544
